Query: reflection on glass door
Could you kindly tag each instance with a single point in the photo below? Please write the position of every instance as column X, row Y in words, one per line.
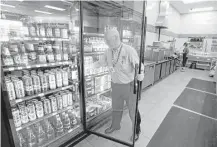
column 112, row 35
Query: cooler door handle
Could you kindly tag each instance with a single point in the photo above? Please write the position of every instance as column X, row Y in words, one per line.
column 135, row 86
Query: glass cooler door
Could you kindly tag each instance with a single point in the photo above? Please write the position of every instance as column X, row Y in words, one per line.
column 39, row 48
column 98, row 17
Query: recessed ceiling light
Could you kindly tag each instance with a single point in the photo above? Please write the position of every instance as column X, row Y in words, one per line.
column 6, row 5
column 201, row 9
column 55, row 8
column 192, row 1
column 44, row 12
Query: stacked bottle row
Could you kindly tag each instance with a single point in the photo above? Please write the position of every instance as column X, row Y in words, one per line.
column 95, row 44
column 48, row 129
column 96, row 105
column 31, row 110
column 97, row 84
column 30, row 53
column 34, row 82
column 45, row 30
column 89, row 68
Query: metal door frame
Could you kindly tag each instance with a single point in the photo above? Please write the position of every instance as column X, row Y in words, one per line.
column 141, row 60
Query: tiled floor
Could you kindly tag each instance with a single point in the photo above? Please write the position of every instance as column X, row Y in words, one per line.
column 154, row 105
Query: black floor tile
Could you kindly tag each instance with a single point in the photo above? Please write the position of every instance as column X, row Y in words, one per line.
column 200, row 102
column 203, row 85
column 181, row 128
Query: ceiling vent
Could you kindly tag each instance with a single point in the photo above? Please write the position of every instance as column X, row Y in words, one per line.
column 162, row 20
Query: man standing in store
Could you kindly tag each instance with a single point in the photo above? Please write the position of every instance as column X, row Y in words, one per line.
column 121, row 60
column 185, row 54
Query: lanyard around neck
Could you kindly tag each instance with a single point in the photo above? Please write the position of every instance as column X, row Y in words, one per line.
column 113, row 61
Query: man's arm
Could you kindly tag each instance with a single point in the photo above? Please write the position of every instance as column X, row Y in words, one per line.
column 134, row 59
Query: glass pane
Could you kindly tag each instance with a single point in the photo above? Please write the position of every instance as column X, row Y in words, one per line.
column 39, row 42
column 112, row 34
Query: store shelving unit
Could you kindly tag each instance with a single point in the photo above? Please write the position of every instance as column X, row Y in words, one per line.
column 13, row 47
column 45, row 65
column 16, row 101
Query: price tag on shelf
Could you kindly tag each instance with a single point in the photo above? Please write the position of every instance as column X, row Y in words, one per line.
column 52, row 39
column 38, row 65
column 19, row 100
column 63, row 88
column 19, row 68
column 60, row 63
column 70, row 130
column 11, row 68
column 18, row 129
column 44, row 39
column 52, row 64
column 28, row 66
column 54, row 114
column 36, row 38
column 41, row 94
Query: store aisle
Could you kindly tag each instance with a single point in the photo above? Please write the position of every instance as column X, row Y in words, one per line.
column 154, row 105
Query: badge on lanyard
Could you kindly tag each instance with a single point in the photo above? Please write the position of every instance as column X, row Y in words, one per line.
column 124, row 60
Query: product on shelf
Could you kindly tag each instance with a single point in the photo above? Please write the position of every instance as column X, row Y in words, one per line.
column 10, row 89
column 39, row 108
column 49, row 130
column 22, row 140
column 31, row 111
column 36, row 83
column 57, row 32
column 47, row 105
column 44, row 82
column 64, row 33
column 96, row 105
column 59, row 101
column 72, row 118
column 18, row 86
column 58, row 125
column 65, row 99
column 16, row 117
column 23, row 113
column 53, row 101
column 66, row 122
column 31, row 137
column 39, row 133
column 32, row 31
column 49, row 32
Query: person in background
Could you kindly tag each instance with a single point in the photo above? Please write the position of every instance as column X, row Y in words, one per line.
column 185, row 54
column 121, row 59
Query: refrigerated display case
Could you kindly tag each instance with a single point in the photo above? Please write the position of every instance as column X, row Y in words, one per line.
column 40, row 72
column 52, row 95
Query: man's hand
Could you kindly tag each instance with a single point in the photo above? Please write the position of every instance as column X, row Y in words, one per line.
column 140, row 77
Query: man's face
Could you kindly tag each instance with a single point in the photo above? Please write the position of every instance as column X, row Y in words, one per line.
column 110, row 41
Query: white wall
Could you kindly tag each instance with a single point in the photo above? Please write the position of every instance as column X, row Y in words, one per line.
column 152, row 14
column 174, row 19
column 199, row 23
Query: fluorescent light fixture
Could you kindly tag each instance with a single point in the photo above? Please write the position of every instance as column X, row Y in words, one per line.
column 201, row 9
column 192, row 1
column 44, row 12
column 6, row 5
column 20, row 0
column 55, row 8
